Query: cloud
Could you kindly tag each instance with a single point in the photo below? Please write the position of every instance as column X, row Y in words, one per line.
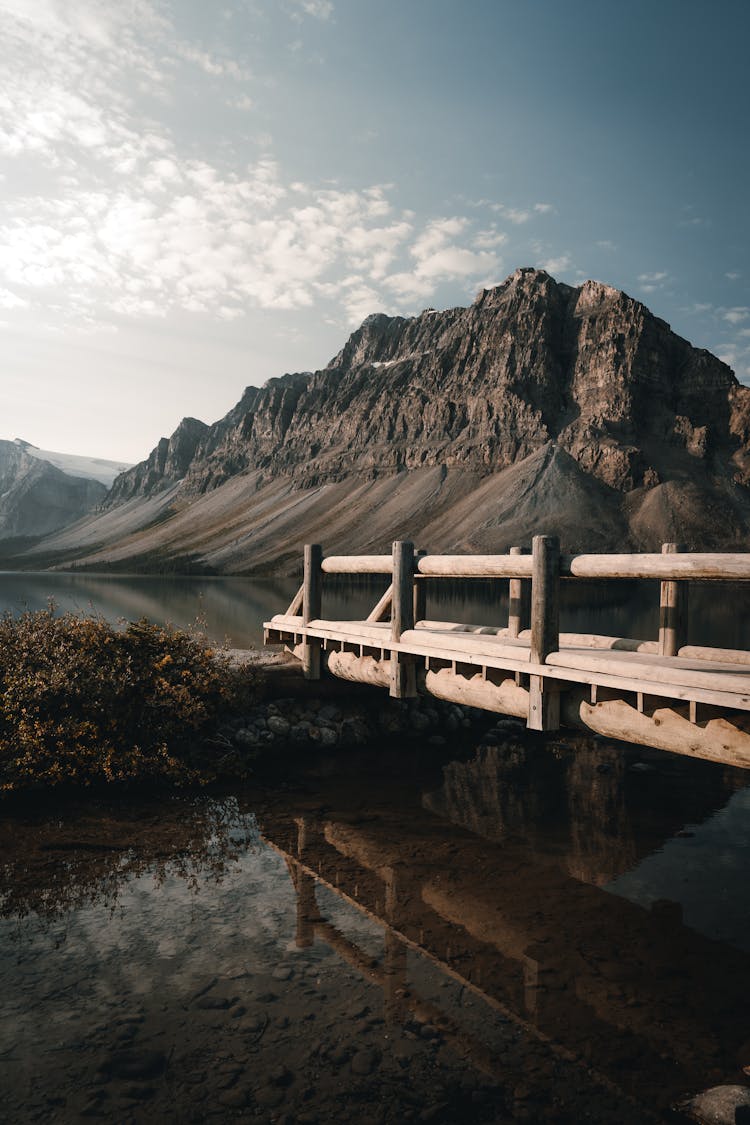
column 737, row 314
column 318, row 9
column 733, row 275
column 558, row 265
column 653, row 278
column 134, row 225
column 607, row 244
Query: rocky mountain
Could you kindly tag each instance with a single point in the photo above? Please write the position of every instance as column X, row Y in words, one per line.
column 541, row 407
column 90, row 468
column 36, row 497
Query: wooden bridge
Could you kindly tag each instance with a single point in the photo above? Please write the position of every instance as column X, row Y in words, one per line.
column 664, row 693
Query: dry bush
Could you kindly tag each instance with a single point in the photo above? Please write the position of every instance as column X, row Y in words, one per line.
column 81, row 701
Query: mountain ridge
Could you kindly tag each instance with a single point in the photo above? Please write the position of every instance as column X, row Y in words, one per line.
column 626, row 432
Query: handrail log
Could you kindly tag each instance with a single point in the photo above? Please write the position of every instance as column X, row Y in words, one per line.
column 475, row 566
column 358, row 564
column 668, row 567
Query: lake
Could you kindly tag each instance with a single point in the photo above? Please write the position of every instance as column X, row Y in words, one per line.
column 503, row 928
column 512, row 932
column 233, row 609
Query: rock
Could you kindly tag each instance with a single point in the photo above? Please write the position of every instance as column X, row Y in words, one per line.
column 721, row 1105
column 236, row 1098
column 330, row 713
column 134, row 1064
column 365, row 1061
column 282, row 972
column 215, row 1002
column 328, row 737
column 246, row 737
column 278, row 725
column 269, row 1097
column 419, row 722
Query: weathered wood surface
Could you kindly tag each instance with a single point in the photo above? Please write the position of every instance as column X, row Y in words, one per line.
column 312, row 598
column 475, row 566
column 504, row 697
column 358, row 564
column 295, row 604
column 382, row 609
column 359, row 669
column 403, row 679
column 690, row 567
column 519, row 601
column 673, row 605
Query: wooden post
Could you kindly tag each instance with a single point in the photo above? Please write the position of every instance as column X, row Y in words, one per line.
column 312, row 595
column 519, row 601
column 403, row 679
column 544, row 700
column 672, row 611
column 420, row 595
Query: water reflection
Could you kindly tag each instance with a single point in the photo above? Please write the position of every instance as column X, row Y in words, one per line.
column 394, row 938
column 235, row 608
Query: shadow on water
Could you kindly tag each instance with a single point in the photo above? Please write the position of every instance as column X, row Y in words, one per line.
column 531, row 931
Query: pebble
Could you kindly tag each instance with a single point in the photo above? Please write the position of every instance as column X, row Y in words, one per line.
column 278, row 725
column 364, row 1062
column 236, row 1098
column 269, row 1097
column 282, row 972
column 134, row 1064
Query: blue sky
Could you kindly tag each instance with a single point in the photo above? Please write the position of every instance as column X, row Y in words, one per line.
column 195, row 197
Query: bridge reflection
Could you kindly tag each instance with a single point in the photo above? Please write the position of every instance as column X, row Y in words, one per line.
column 482, row 934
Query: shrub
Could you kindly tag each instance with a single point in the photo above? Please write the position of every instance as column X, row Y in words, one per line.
column 81, row 701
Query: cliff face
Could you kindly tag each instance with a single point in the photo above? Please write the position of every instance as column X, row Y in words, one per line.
column 540, row 407
column 529, row 362
column 36, row 498
column 165, row 465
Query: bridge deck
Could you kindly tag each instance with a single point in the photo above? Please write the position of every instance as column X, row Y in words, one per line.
column 614, row 663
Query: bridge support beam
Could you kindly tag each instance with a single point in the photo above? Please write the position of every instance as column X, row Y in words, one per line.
column 544, row 696
column 312, row 600
column 403, row 677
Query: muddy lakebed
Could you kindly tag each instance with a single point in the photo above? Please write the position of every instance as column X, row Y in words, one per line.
column 502, row 928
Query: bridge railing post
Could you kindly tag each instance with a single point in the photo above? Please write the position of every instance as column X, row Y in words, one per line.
column 403, row 674
column 519, row 601
column 544, row 698
column 312, row 600
column 420, row 592
column 673, row 610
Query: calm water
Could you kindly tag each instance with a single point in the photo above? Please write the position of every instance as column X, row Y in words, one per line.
column 517, row 931
column 234, row 609
column 525, row 932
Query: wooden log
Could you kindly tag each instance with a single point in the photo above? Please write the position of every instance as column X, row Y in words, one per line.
column 359, row 669
column 312, row 598
column 475, row 566
column 724, row 740
column 673, row 606
column 403, row 682
column 501, row 695
column 545, row 598
column 727, row 567
column 420, row 592
column 724, row 655
column 519, row 601
column 544, row 697
column 383, row 608
column 295, row 604
column 358, row 564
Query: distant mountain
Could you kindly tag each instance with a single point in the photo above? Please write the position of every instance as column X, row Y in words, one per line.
column 540, row 408
column 37, row 497
column 90, row 468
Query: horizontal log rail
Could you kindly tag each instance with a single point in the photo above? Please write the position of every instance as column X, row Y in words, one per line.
column 664, row 692
column 697, row 566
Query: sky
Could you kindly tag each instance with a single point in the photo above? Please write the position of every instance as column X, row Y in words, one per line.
column 195, row 197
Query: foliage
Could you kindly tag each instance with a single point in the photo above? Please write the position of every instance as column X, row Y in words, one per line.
column 82, row 702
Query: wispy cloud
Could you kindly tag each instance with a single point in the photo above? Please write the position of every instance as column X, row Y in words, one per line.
column 318, row 9
column 737, row 314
